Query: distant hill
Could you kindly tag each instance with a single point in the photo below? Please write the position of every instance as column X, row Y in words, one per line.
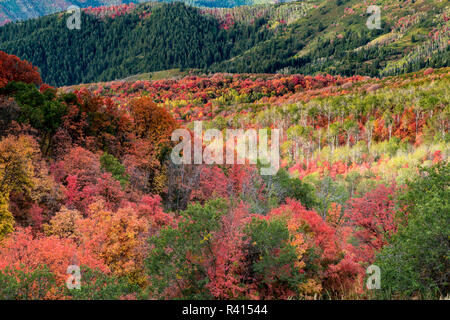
column 153, row 37
column 14, row 10
column 299, row 37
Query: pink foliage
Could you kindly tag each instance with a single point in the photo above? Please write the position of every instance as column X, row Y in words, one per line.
column 226, row 268
column 373, row 217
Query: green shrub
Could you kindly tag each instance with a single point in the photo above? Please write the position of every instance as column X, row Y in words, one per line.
column 416, row 262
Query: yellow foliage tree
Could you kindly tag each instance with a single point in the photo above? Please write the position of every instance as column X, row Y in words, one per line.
column 16, row 173
column 6, row 218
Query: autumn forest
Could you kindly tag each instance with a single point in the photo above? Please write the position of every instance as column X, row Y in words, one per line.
column 87, row 180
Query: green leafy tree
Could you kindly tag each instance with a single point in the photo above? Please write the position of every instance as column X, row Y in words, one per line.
column 96, row 285
column 111, row 164
column 416, row 263
column 272, row 259
column 21, row 285
column 43, row 111
column 175, row 261
column 282, row 186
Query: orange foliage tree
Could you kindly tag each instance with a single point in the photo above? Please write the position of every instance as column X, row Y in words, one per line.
column 117, row 238
column 151, row 122
column 153, row 127
column 25, row 252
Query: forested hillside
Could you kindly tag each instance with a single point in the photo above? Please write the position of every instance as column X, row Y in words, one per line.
column 332, row 37
column 306, row 37
column 13, row 10
column 174, row 36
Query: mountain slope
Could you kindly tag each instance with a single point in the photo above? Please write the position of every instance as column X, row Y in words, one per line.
column 300, row 37
column 333, row 38
column 173, row 36
column 13, row 10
